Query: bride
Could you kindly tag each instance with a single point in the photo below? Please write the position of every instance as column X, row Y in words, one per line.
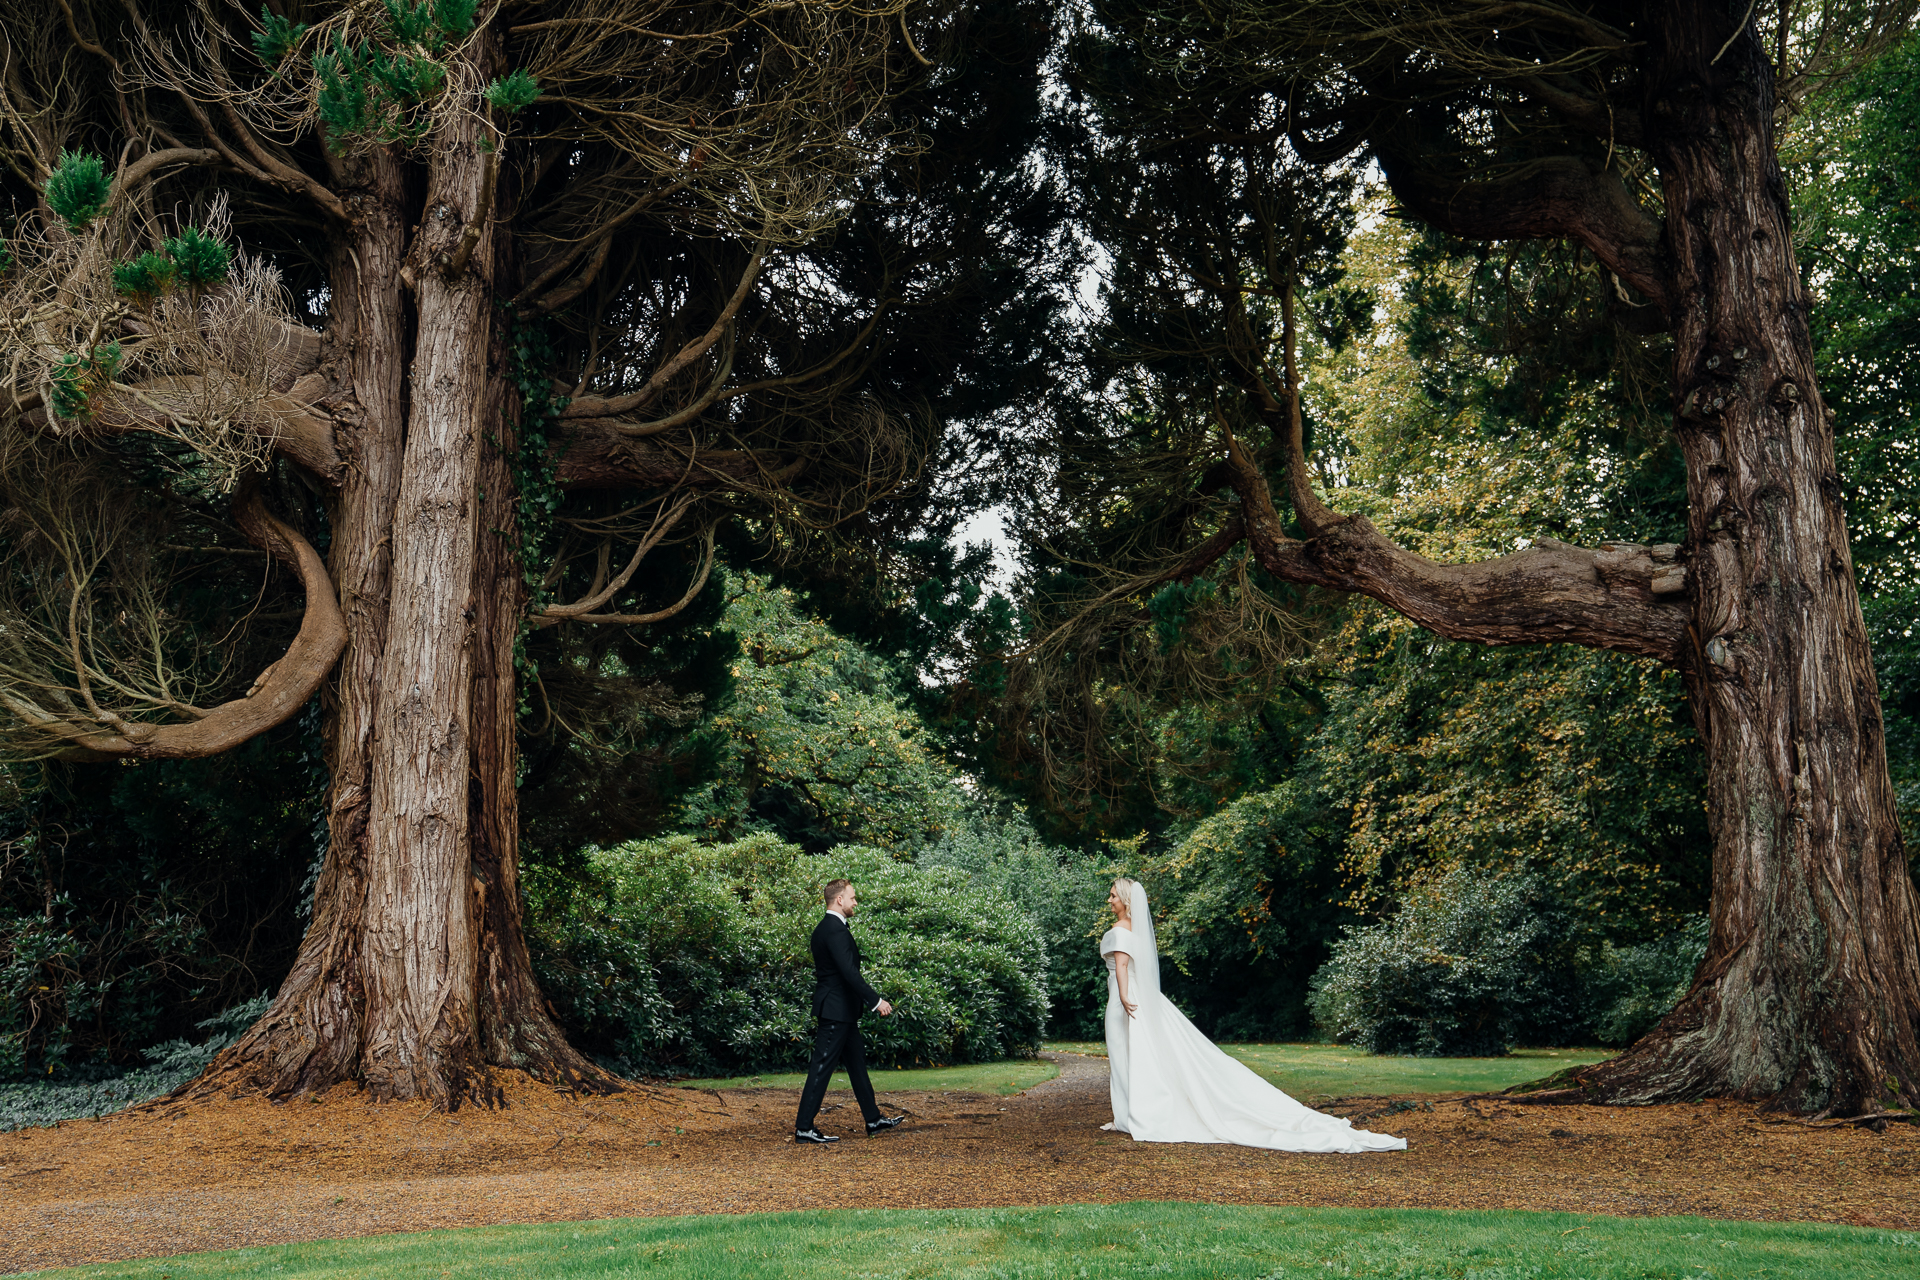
column 1172, row 1084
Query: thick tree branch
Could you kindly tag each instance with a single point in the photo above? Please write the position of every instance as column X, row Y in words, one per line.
column 1596, row 117
column 1552, row 198
column 1626, row 598
column 596, row 453
column 148, row 167
column 276, row 696
column 297, row 431
column 1551, row 593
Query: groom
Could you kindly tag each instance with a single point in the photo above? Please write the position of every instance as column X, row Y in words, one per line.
column 840, row 996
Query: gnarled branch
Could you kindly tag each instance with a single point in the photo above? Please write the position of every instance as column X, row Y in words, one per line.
column 1558, row 196
column 1553, row 592
column 276, row 696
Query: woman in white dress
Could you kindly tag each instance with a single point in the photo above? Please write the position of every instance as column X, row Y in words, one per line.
column 1172, row 1084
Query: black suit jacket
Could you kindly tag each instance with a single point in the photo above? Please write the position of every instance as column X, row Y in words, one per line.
column 840, row 994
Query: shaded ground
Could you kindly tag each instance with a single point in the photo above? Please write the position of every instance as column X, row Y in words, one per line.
column 249, row 1172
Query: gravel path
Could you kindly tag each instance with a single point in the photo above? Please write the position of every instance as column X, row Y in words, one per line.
column 247, row 1172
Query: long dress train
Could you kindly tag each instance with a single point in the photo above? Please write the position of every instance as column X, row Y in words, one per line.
column 1171, row 1084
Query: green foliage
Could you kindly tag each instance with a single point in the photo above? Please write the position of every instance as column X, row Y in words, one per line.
column 536, row 470
column 1248, row 901
column 514, row 92
column 144, row 278
column 77, row 190
column 1629, row 989
column 137, row 901
column 78, row 379
column 429, row 23
column 6, row 257
column 45, row 1102
column 200, row 260
column 1468, row 966
column 674, row 957
column 410, row 23
column 276, row 38
column 405, row 79
column 1171, row 605
column 1572, row 764
column 345, row 98
column 193, row 258
column 536, row 462
column 454, row 17
column 816, row 742
column 1855, row 179
column 372, row 93
column 1062, row 892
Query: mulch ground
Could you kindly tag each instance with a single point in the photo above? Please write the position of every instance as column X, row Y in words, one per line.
column 232, row 1173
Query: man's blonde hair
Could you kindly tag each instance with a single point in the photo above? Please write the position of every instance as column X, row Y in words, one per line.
column 833, row 890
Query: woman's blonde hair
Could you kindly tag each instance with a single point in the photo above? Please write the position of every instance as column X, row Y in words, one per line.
column 1125, row 887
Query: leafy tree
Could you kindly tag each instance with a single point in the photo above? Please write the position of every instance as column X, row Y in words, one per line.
column 815, row 742
column 508, row 309
column 1061, row 890
column 1644, row 135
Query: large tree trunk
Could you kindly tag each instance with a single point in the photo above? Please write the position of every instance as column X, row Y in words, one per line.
column 1809, row 997
column 414, row 979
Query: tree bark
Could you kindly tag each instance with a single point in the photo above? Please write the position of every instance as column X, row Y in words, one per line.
column 1809, row 997
column 414, row 980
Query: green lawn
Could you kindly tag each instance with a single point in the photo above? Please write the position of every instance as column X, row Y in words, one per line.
column 1095, row 1242
column 1310, row 1071
column 979, row 1077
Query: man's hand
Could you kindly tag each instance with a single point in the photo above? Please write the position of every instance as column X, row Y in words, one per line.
column 883, row 1008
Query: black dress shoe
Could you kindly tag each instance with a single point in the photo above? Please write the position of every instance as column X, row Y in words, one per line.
column 813, row 1136
column 884, row 1123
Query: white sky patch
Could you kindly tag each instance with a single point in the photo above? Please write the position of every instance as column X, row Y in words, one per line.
column 990, row 526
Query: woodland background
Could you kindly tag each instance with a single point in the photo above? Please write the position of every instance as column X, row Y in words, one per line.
column 1356, row 829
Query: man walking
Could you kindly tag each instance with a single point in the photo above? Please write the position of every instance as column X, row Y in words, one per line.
column 840, row 996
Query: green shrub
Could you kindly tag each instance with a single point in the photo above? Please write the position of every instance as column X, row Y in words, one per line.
column 77, row 189
column 1246, row 903
column 169, row 1065
column 1062, row 892
column 1469, row 966
column 1629, row 989
column 136, row 902
column 669, row 956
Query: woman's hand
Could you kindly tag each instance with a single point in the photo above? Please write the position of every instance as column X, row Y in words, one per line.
column 1129, row 1006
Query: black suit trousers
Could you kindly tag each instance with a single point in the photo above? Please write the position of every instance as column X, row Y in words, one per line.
column 834, row 1043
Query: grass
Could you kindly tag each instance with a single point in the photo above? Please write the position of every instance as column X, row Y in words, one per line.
column 1095, row 1242
column 979, row 1077
column 1309, row 1071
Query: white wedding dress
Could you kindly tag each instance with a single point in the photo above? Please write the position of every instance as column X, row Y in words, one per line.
column 1172, row 1084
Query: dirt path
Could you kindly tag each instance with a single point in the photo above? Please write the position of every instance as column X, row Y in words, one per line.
column 214, row 1176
